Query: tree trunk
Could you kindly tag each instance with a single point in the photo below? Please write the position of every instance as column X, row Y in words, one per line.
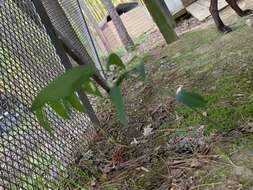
column 121, row 29
column 95, row 26
column 161, row 19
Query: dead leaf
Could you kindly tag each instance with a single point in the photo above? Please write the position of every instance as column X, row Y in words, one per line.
column 134, row 142
column 93, row 182
column 148, row 130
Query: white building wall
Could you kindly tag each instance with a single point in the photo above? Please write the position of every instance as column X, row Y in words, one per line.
column 174, row 5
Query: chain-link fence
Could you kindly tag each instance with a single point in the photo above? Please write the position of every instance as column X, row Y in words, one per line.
column 68, row 19
column 29, row 157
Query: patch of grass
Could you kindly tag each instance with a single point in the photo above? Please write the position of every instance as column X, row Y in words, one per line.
column 229, row 104
column 187, row 48
column 220, row 68
column 139, row 40
column 230, row 153
column 153, row 178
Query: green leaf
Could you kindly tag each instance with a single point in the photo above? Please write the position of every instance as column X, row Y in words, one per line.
column 75, row 102
column 140, row 70
column 114, row 59
column 90, row 88
column 190, row 99
column 63, row 86
column 117, row 101
column 59, row 108
column 43, row 120
column 67, row 105
column 120, row 79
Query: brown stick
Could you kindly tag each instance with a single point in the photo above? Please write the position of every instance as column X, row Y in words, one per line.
column 81, row 60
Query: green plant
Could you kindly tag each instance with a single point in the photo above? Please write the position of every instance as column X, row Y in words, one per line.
column 194, row 101
column 190, row 99
column 61, row 93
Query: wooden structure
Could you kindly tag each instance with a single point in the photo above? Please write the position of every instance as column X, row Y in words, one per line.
column 136, row 20
column 163, row 19
column 200, row 8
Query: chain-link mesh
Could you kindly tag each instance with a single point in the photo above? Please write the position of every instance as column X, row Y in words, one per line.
column 29, row 157
column 75, row 16
column 67, row 18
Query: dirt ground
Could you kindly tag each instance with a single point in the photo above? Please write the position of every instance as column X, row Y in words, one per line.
column 167, row 146
column 228, row 15
column 154, row 37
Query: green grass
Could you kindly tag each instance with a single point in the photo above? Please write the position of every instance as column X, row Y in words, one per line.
column 231, row 154
column 220, row 68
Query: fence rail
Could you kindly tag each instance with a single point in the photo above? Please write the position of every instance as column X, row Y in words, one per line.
column 29, row 157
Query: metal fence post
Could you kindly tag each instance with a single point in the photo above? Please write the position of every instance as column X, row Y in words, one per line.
column 63, row 56
column 91, row 39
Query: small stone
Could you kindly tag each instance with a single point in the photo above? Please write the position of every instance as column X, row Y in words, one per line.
column 134, row 142
column 107, row 169
column 204, row 114
column 249, row 22
column 238, row 95
column 93, row 182
column 195, row 163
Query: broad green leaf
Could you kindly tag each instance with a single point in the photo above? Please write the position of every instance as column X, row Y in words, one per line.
column 90, row 88
column 63, row 86
column 117, row 101
column 43, row 120
column 75, row 102
column 140, row 70
column 59, row 108
column 114, row 59
column 190, row 99
column 67, row 105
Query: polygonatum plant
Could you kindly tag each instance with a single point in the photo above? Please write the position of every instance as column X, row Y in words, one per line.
column 61, row 92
